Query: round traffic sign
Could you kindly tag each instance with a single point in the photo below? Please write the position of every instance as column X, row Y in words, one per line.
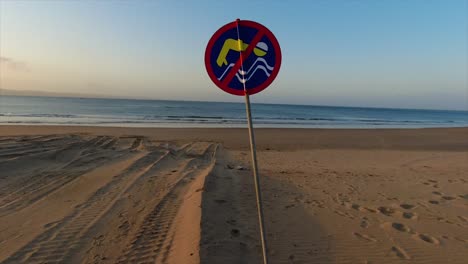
column 243, row 53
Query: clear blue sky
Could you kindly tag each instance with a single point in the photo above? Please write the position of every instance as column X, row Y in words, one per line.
column 354, row 53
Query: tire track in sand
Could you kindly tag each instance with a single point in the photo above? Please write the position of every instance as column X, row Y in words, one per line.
column 17, row 149
column 155, row 237
column 55, row 244
column 24, row 193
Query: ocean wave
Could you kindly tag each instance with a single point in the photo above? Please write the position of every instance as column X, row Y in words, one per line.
column 40, row 115
column 64, row 118
column 226, row 123
column 193, row 117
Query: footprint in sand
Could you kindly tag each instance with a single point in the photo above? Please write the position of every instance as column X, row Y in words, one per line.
column 371, row 210
column 400, row 252
column 424, row 237
column 220, row 201
column 407, row 206
column 365, row 237
column 428, row 239
column 410, row 215
column 433, row 202
column 397, row 226
column 386, row 210
column 401, row 227
column 231, row 221
column 235, row 232
column 449, row 198
column 361, row 209
column 364, row 223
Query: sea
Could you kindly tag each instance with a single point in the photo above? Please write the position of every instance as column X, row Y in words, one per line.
column 30, row 110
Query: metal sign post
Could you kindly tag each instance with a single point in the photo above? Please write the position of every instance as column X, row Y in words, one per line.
column 259, row 53
column 258, row 192
column 253, row 151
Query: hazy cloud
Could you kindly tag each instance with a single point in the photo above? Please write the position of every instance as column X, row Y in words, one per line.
column 14, row 64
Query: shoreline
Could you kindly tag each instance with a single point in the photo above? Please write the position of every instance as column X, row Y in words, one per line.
column 228, row 126
column 439, row 139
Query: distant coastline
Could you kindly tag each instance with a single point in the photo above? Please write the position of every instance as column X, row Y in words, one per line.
column 34, row 93
column 37, row 93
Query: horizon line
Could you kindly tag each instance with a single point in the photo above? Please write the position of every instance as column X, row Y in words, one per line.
column 30, row 93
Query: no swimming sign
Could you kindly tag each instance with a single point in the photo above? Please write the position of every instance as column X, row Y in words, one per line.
column 243, row 57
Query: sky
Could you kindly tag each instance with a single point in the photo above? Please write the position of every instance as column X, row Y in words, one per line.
column 389, row 53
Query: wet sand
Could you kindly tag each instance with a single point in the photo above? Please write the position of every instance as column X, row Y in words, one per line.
column 129, row 195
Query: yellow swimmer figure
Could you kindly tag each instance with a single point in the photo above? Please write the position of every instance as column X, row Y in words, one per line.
column 233, row 44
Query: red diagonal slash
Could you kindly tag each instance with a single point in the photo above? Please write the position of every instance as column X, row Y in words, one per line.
column 245, row 55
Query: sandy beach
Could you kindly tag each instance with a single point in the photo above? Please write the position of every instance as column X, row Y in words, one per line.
column 134, row 195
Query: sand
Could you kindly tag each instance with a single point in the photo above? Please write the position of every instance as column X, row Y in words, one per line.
column 132, row 195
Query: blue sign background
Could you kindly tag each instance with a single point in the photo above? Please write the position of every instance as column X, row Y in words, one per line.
column 258, row 76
